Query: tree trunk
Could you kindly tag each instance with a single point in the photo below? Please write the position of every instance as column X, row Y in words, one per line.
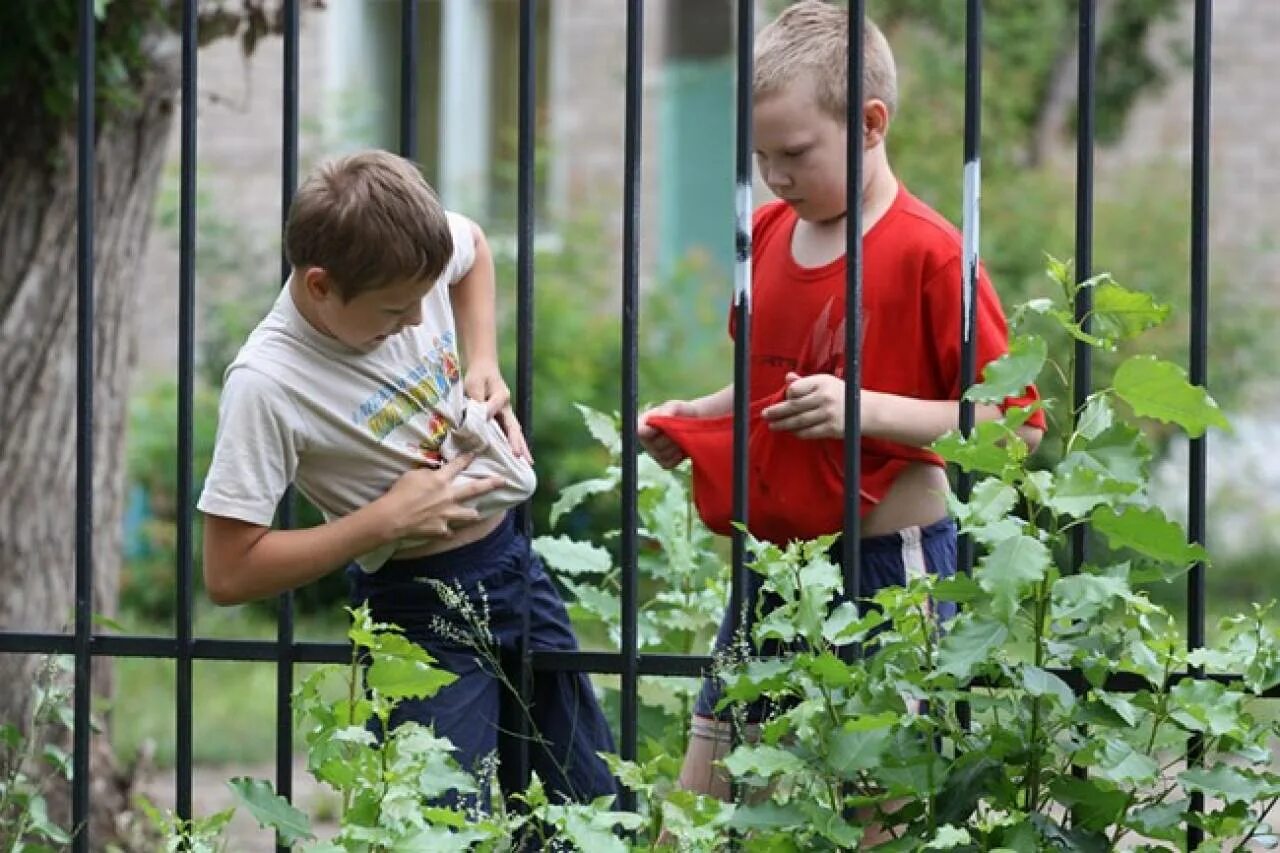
column 38, row 377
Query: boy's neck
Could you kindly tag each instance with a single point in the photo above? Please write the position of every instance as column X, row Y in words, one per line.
column 302, row 302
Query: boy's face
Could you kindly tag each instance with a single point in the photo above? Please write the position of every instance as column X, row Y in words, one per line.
column 800, row 151
column 370, row 317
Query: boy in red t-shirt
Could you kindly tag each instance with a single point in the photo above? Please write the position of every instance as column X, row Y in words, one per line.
column 911, row 317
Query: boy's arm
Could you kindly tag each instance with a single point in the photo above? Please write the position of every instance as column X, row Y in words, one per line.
column 814, row 408
column 474, row 300
column 245, row 561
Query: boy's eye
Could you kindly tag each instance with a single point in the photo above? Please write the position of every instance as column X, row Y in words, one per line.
column 794, row 152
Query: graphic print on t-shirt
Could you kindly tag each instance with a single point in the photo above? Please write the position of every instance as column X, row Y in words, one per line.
column 418, row 391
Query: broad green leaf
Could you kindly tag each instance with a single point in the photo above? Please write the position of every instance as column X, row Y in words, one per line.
column 1147, row 531
column 1096, row 417
column 571, row 557
column 762, row 760
column 989, row 449
column 1096, row 804
column 397, row 678
column 948, row 838
column 1010, row 374
column 1162, row 820
column 1233, row 784
column 271, row 810
column 1078, row 490
column 768, row 815
column 1206, row 706
column 1120, row 313
column 1041, row 682
column 969, row 640
column 1012, row 566
column 1121, row 706
column 603, row 428
column 1082, row 595
column 1119, row 452
column 1123, row 764
column 851, row 751
column 1159, row 389
column 572, row 496
column 990, row 502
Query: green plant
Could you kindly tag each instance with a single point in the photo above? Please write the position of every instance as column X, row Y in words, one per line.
column 25, row 825
column 1037, row 655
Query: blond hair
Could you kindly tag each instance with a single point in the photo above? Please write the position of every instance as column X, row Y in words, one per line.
column 810, row 39
column 368, row 220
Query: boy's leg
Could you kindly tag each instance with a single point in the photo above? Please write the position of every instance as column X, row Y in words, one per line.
column 711, row 733
column 893, row 560
column 569, row 728
column 465, row 711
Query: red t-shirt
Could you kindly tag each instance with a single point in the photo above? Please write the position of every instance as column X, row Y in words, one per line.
column 911, row 310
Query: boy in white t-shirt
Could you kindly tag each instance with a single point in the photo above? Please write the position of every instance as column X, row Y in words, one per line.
column 352, row 388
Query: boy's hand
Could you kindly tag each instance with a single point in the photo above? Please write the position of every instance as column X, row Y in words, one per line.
column 813, row 407
column 655, row 442
column 429, row 502
column 484, row 382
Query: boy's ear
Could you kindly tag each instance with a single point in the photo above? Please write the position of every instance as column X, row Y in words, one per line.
column 875, row 122
column 317, row 283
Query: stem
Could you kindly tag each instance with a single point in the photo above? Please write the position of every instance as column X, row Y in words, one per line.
column 1254, row 829
column 1157, row 720
column 1033, row 772
column 352, row 677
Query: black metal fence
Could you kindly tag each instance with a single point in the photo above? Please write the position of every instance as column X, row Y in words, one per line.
column 185, row 648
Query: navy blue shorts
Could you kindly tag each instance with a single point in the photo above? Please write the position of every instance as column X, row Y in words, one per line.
column 886, row 561
column 501, row 576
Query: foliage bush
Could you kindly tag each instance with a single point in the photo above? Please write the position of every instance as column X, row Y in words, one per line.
column 1053, row 713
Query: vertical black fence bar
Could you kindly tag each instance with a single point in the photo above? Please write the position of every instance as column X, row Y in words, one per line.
column 525, row 153
column 971, row 221
column 970, row 229
column 1082, row 379
column 630, row 288
column 1199, row 361
column 851, row 541
column 186, row 372
column 284, row 627
column 741, row 305
column 409, row 78
column 86, row 183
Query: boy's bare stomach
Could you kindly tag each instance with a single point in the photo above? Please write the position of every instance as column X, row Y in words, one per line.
column 917, row 498
column 461, row 536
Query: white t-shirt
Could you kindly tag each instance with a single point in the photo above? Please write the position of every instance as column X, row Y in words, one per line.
column 300, row 407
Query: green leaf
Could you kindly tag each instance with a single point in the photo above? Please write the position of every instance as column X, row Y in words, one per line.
column 762, row 760
column 1205, row 706
column 571, row 557
column 948, row 837
column 271, row 810
column 1147, row 531
column 1082, row 595
column 768, row 815
column 989, row 449
column 851, row 751
column 1228, row 783
column 1123, row 764
column 1010, row 374
column 990, row 502
column 1079, row 489
column 1159, row 389
column 1096, row 417
column 969, row 641
column 1011, row 567
column 397, row 678
column 1120, row 313
column 1095, row 806
column 1119, row 452
column 1161, row 820
column 1041, row 682
column 573, row 495
column 603, row 428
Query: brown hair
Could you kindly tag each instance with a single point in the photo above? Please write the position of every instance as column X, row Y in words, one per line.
column 811, row 39
column 368, row 220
